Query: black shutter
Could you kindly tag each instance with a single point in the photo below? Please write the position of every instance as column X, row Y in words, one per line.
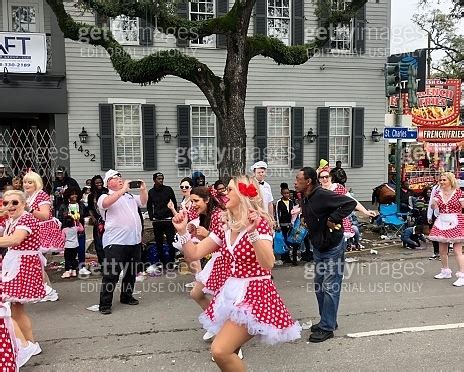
column 106, row 136
column 145, row 32
column 261, row 17
column 260, row 133
column 298, row 22
column 360, row 31
column 357, row 144
column 324, row 9
column 149, row 137
column 102, row 20
column 297, row 137
column 323, row 130
column 182, row 11
column 222, row 7
column 183, row 137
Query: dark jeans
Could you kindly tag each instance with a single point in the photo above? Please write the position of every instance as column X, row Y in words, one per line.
column 70, row 259
column 81, row 250
column 97, row 242
column 328, row 270
column 161, row 228
column 118, row 258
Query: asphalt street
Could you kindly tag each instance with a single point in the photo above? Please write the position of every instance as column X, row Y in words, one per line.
column 389, row 290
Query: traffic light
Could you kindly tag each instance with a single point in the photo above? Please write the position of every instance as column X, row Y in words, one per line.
column 392, row 79
column 412, row 86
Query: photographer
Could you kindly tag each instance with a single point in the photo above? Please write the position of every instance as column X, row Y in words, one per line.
column 122, row 237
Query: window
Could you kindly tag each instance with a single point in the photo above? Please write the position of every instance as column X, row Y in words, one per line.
column 278, row 136
column 278, row 20
column 199, row 11
column 340, row 135
column 203, row 147
column 342, row 35
column 125, row 29
column 22, row 15
column 128, row 136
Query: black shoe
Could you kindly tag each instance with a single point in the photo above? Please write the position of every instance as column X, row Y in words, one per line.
column 315, row 327
column 294, row 263
column 105, row 311
column 320, row 336
column 130, row 301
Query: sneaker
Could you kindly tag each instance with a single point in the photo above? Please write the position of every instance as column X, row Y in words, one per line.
column 130, row 301
column 105, row 311
column 140, row 277
column 25, row 353
column 320, row 336
column 435, row 257
column 51, row 296
column 38, row 349
column 208, row 336
column 459, row 282
column 190, row 285
column 66, row 274
column 84, row 271
column 444, row 274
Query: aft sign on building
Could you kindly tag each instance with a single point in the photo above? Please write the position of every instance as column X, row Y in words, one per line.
column 22, row 52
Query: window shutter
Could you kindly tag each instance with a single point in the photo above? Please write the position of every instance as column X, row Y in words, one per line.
column 324, row 14
column 298, row 22
column 222, row 7
column 182, row 11
column 106, row 136
column 360, row 30
column 323, row 128
column 149, row 137
column 297, row 137
column 357, row 144
column 101, row 20
column 261, row 17
column 260, row 133
column 145, row 32
column 183, row 137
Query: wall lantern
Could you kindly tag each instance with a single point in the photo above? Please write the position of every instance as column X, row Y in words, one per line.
column 5, row 76
column 376, row 136
column 83, row 135
column 310, row 136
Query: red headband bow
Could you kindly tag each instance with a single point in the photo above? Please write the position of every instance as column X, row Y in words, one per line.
column 247, row 190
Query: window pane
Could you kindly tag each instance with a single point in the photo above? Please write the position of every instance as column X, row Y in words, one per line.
column 128, row 135
column 340, row 135
column 278, row 20
column 201, row 10
column 23, row 18
column 125, row 29
column 203, row 140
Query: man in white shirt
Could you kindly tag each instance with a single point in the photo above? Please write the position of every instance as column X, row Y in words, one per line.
column 259, row 172
column 122, row 238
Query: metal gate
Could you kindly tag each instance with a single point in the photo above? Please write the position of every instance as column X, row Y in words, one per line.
column 32, row 148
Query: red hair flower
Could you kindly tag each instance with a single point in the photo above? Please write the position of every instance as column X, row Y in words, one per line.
column 247, row 190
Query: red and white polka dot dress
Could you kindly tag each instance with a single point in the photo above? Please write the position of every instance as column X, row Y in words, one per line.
column 7, row 340
column 51, row 238
column 22, row 267
column 449, row 225
column 217, row 270
column 348, row 231
column 249, row 297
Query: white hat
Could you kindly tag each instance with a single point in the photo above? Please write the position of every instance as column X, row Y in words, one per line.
column 2, row 166
column 257, row 165
column 108, row 175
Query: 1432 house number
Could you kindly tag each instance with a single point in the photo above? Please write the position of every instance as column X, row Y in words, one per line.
column 86, row 152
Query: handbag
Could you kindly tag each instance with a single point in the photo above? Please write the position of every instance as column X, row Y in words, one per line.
column 298, row 232
column 279, row 245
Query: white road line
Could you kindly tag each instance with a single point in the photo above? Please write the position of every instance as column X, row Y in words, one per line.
column 407, row 329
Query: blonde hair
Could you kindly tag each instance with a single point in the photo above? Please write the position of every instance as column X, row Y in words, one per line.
column 238, row 223
column 452, row 179
column 34, row 177
column 20, row 194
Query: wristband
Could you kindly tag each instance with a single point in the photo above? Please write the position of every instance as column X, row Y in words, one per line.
column 253, row 236
column 184, row 239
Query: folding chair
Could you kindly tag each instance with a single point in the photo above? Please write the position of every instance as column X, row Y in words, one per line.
column 391, row 222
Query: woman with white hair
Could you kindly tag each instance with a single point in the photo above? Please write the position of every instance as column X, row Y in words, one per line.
column 449, row 225
column 21, row 269
column 248, row 304
column 51, row 238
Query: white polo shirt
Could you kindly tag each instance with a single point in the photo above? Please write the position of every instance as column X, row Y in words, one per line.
column 122, row 220
column 267, row 195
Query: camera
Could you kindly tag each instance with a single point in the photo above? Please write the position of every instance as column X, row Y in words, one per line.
column 135, row 184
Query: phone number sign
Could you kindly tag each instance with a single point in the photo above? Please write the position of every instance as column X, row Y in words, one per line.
column 22, row 52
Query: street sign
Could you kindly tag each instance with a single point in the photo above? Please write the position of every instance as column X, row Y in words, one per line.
column 399, row 133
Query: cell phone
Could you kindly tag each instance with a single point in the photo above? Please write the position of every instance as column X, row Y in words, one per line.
column 135, row 184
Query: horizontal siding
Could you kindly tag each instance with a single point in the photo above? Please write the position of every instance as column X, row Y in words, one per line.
column 91, row 80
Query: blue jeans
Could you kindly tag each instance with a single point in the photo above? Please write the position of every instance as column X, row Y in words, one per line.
column 328, row 270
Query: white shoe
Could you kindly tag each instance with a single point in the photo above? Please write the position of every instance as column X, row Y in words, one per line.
column 84, row 271
column 38, row 349
column 459, row 282
column 51, row 296
column 140, row 278
column 240, row 354
column 444, row 274
column 25, row 353
column 208, row 336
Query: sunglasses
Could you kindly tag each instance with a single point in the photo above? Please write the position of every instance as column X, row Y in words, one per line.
column 117, row 175
column 12, row 202
column 184, row 187
column 324, row 177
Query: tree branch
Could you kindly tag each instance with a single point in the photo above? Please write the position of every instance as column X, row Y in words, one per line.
column 277, row 50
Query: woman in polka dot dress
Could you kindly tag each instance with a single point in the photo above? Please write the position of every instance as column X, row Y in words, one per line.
column 449, row 225
column 248, row 304
column 325, row 178
column 21, row 267
column 7, row 339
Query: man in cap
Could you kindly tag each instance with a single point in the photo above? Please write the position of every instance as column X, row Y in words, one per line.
column 122, row 238
column 61, row 183
column 259, row 172
column 161, row 216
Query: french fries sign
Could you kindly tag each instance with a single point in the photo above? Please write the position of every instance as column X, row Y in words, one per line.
column 438, row 106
